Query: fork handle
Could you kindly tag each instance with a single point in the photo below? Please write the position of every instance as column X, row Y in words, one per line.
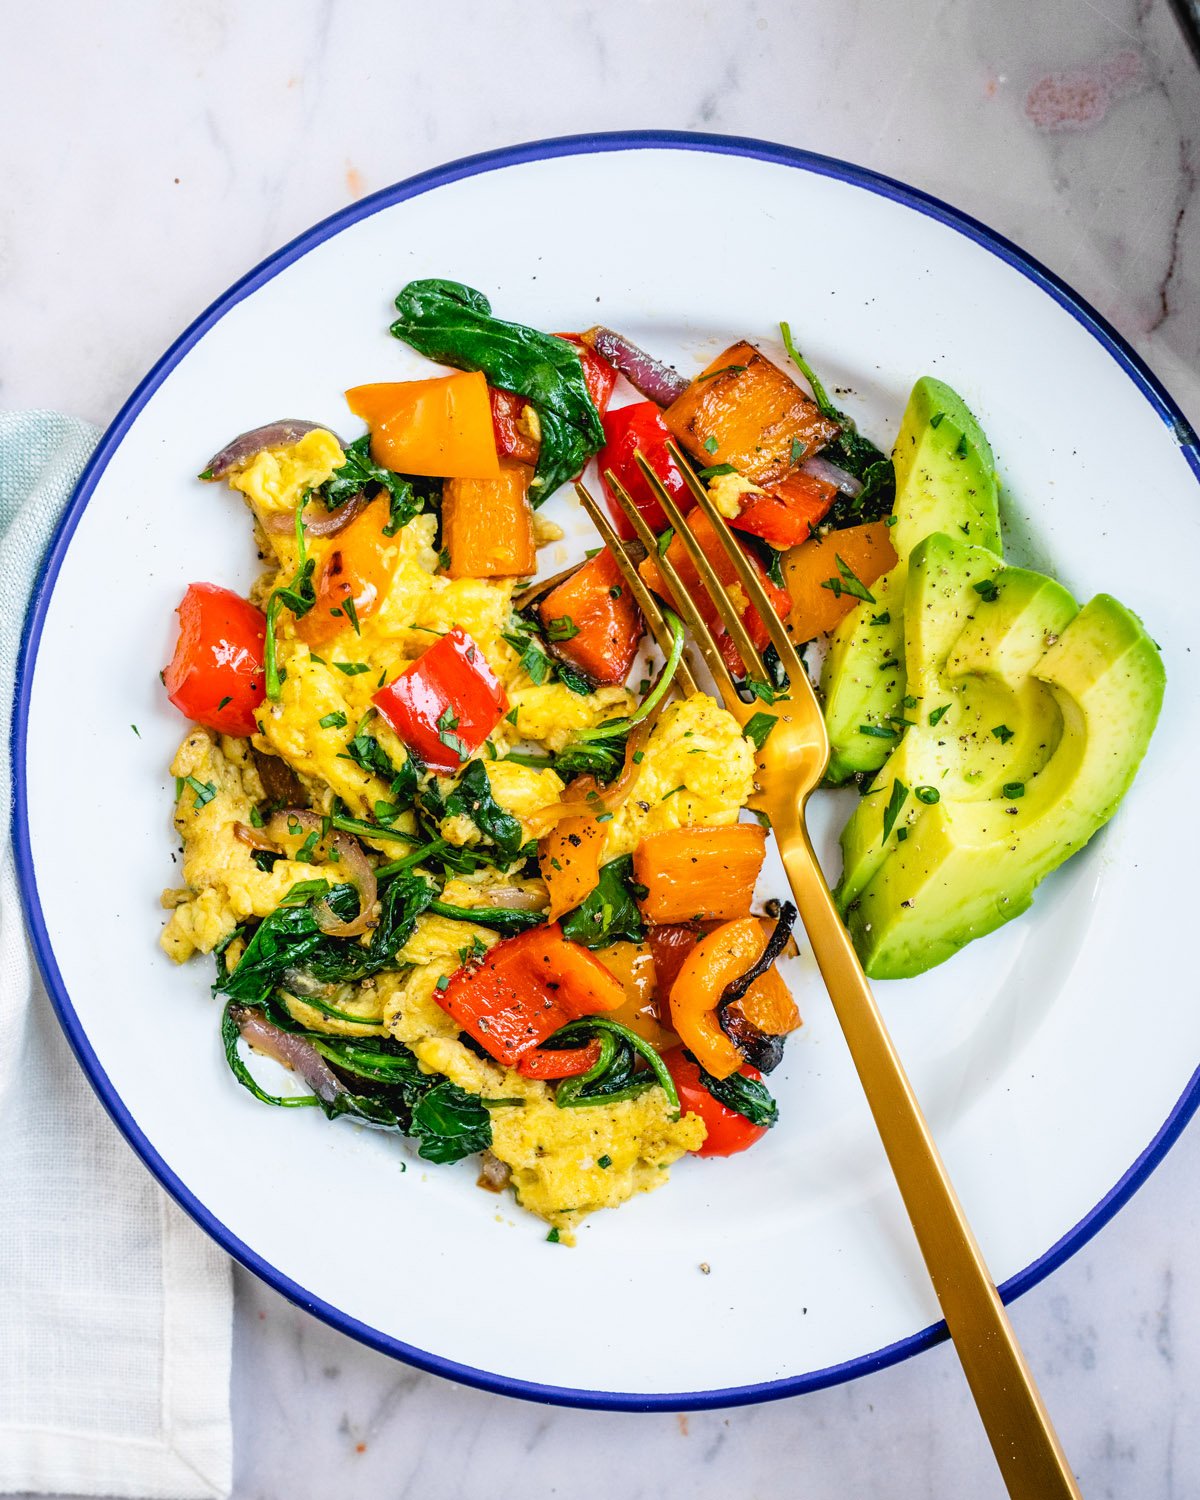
column 1031, row 1459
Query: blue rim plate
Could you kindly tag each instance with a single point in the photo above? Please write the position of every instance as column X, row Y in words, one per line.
column 1128, row 361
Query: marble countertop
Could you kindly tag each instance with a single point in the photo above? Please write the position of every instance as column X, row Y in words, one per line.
column 185, row 139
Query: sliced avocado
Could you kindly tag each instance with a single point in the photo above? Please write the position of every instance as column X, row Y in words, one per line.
column 945, row 482
column 945, row 472
column 1080, row 695
column 941, row 598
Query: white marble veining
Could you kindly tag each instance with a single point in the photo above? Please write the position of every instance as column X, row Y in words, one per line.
column 153, row 150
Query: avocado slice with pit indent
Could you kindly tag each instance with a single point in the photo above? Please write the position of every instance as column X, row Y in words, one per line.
column 945, row 482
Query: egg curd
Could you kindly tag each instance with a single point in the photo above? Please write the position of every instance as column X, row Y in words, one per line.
column 242, row 865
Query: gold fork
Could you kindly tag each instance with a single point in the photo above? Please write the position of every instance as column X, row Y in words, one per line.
column 790, row 764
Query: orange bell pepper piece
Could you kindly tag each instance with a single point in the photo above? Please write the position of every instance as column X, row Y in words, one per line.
column 719, row 958
column 745, row 411
column 699, row 873
column 357, row 567
column 569, row 861
column 596, row 604
column 645, row 1009
column 441, row 427
column 866, row 550
column 487, row 525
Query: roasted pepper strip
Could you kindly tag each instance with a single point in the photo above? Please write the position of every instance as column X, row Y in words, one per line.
column 559, row 1062
column 716, row 960
column 525, row 989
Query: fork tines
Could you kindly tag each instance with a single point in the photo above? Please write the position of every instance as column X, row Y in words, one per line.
column 730, row 615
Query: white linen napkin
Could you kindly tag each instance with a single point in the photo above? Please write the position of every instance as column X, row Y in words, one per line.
column 115, row 1309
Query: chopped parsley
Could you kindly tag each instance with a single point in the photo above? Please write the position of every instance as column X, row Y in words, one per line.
column 927, row 794
column 561, row 629
column 335, row 720
column 847, row 583
column 710, row 445
column 714, row 471
column 879, row 732
column 446, row 725
column 352, row 668
column 1003, row 733
column 884, row 619
column 604, row 1162
column 758, row 727
column 799, row 448
column 203, row 792
column 895, row 804
column 225, row 700
column 936, row 715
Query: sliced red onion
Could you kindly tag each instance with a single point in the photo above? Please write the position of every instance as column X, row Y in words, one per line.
column 821, row 468
column 248, row 445
column 516, row 898
column 494, row 1174
column 585, row 797
column 247, row 835
column 288, row 821
column 290, row 1050
column 361, row 875
column 353, row 860
column 318, row 521
column 656, row 381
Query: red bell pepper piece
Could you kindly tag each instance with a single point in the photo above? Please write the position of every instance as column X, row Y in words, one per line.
column 670, row 943
column 512, row 441
column 627, row 430
column 593, row 620
column 446, row 703
column 790, row 510
column 728, row 1131
column 552, row 1062
column 525, row 989
column 599, row 376
column 216, row 674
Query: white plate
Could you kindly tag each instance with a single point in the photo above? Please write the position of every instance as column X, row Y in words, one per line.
column 1048, row 1056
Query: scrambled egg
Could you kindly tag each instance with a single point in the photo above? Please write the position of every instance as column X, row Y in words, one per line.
column 696, row 769
column 553, row 1154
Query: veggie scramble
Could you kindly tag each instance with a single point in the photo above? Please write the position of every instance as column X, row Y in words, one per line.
column 470, row 864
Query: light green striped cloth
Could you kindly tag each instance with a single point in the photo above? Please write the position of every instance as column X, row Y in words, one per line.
column 115, row 1310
